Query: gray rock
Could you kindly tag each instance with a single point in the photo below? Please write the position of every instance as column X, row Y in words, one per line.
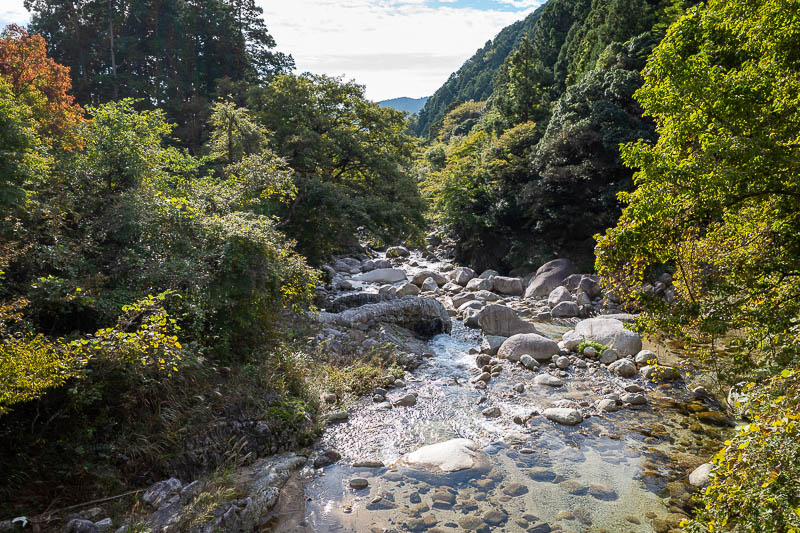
column 191, row 491
column 338, row 416
column 528, row 362
column 487, row 296
column 397, row 251
column 407, row 289
column 571, row 340
column 608, row 406
column 429, row 285
column 660, row 374
column 589, row 286
column 382, row 263
column 424, row 316
column 557, row 296
column 563, row 415
column 480, row 284
column 623, row 368
column 326, row 457
column 547, row 379
column 565, row 310
column 462, row 298
column 562, row 362
column 539, row 347
column 609, row 356
column 359, row 483
column 104, row 525
column 406, row 400
column 462, row 275
column 548, row 277
column 472, row 318
column 700, row 476
column 583, row 300
column 420, row 278
column 610, row 332
column 492, row 343
column 491, row 412
column 162, row 492
column 634, row 398
column 78, row 525
column 486, row 274
column 644, row 357
column 382, row 275
column 506, row 285
column 503, row 321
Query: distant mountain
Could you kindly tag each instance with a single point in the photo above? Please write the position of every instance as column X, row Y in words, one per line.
column 412, row 105
column 475, row 79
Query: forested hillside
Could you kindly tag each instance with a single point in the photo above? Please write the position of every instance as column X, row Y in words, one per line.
column 475, row 79
column 559, row 106
column 410, row 105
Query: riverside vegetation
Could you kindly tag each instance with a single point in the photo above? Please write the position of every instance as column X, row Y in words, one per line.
column 179, row 297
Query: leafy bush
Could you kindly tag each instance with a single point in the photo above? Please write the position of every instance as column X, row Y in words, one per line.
column 755, row 483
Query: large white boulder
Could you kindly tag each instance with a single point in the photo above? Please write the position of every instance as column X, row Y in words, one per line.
column 610, row 332
column 480, row 284
column 448, row 456
column 503, row 321
column 539, row 347
column 382, row 275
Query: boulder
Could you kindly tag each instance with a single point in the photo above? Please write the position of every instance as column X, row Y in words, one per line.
column 563, row 415
column 608, row 356
column 558, row 295
column 547, row 379
column 539, row 347
column 660, row 373
column 571, row 340
column 492, row 343
column 407, row 289
column 382, row 263
column 480, row 284
column 486, row 274
column 503, row 321
column 420, row 278
column 565, row 310
column 589, row 286
column 644, row 357
column 424, row 316
column 634, row 398
column 382, row 275
column 528, row 362
column 462, row 275
column 486, row 296
column 397, row 251
column 509, row 286
column 571, row 282
column 610, row 332
column 623, row 368
column 608, row 405
column 162, row 492
column 462, row 298
column 473, row 304
column 77, row 525
column 548, row 277
column 700, row 475
column 429, row 285
column 448, row 456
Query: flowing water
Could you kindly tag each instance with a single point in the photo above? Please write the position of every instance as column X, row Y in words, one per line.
column 615, row 472
column 611, row 472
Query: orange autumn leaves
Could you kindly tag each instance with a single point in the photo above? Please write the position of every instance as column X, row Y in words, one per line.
column 42, row 85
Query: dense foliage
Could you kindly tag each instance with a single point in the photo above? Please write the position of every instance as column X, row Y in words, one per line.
column 475, row 79
column 717, row 201
column 171, row 55
column 568, row 86
column 351, row 161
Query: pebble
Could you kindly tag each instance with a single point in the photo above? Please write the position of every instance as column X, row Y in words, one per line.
column 359, row 483
column 491, row 412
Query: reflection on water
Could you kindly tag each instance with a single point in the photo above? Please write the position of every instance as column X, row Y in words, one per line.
column 617, row 472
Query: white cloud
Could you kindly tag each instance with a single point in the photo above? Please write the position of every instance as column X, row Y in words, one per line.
column 395, row 48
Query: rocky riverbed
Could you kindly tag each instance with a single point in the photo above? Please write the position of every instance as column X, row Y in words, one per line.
column 527, row 405
column 562, row 441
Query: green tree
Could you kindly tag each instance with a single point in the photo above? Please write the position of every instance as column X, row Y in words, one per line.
column 351, row 161
column 717, row 201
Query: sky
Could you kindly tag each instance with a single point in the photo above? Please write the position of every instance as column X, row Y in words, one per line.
column 393, row 47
